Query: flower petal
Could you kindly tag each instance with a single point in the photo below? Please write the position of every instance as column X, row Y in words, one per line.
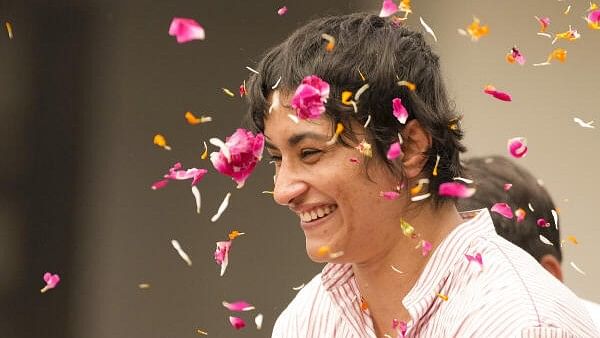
column 517, row 147
column 282, row 10
column 399, row 110
column 389, row 195
column 455, row 189
column 388, row 7
column 237, row 322
column 238, row 306
column 394, row 151
column 186, row 30
column 502, row 209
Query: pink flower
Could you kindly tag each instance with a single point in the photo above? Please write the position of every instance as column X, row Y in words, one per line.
column 517, row 147
column 455, row 189
column 186, row 30
column 51, row 281
column 282, row 10
column 237, row 322
column 238, row 306
column 399, row 110
column 491, row 90
column 389, row 195
column 238, row 155
column 388, row 8
column 394, row 151
column 177, row 173
column 222, row 255
column 594, row 16
column 310, row 97
column 502, row 209
column 542, row 223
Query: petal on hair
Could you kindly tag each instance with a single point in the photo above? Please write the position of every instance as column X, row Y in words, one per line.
column 503, row 209
column 455, row 189
column 520, row 213
column 399, row 110
column 517, row 147
column 545, row 240
column 394, row 152
column 542, row 223
column 388, row 8
column 507, row 186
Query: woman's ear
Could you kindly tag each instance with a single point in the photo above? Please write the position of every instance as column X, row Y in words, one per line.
column 551, row 263
column 417, row 141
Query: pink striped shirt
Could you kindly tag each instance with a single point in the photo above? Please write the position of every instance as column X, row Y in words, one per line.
column 512, row 296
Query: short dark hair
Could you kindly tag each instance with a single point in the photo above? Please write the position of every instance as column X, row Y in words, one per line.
column 490, row 175
column 385, row 52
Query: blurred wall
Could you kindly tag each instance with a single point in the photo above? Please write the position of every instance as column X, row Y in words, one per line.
column 86, row 85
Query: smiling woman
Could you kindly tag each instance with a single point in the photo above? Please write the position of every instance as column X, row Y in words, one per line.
column 375, row 216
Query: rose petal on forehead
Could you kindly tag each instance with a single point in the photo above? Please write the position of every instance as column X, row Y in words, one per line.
column 310, row 97
column 455, row 189
column 502, row 209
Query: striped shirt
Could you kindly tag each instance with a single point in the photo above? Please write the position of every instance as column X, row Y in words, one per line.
column 511, row 296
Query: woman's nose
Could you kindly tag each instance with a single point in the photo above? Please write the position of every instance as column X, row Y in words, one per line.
column 288, row 186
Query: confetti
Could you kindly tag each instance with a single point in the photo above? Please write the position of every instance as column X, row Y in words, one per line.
column 520, row 213
column 569, row 35
column 365, row 148
column 282, row 11
column 144, row 286
column 258, row 320
column 517, row 147
column 237, row 323
column 197, row 198
column 475, row 30
column 222, row 255
column 455, row 189
column 330, row 42
column 420, row 197
column 238, row 155
column 238, row 306
column 435, row 168
column 204, row 155
column 427, row 28
column 491, row 90
column 583, row 124
column 545, row 240
column 407, row 229
column 222, row 208
column 442, row 297
column 339, row 128
column 9, row 30
column 228, row 92
column 186, row 30
column 310, row 97
column 388, row 7
column 515, row 56
column 502, row 209
column 199, row 331
column 577, row 268
column 394, row 151
column 299, row 287
column 544, row 23
column 51, row 281
column 181, row 253
column 235, row 234
column 399, row 110
column 557, row 54
column 419, row 187
column 411, row 86
column 161, row 141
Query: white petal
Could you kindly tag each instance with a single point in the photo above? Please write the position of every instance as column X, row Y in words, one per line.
column 222, row 208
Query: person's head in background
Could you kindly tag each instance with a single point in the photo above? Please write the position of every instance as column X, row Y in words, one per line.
column 490, row 174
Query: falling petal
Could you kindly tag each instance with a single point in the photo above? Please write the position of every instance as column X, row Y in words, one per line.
column 491, row 90
column 545, row 240
column 407, row 229
column 51, row 281
column 201, row 332
column 191, row 119
column 298, row 288
column 577, row 268
column 388, row 7
column 339, row 128
column 160, row 184
column 228, row 92
column 282, row 11
column 455, row 189
column 389, row 195
column 572, row 239
column 507, row 186
column 502, row 209
column 567, row 10
column 476, row 30
column 222, row 208
column 238, row 306
column 425, row 247
column 239, row 155
column 517, row 147
column 235, row 234
column 252, row 70
column 462, row 179
column 236, row 322
column 569, row 35
column 161, row 141
column 435, row 168
column 365, row 148
column 186, row 30
column 476, row 259
column 394, row 151
column 310, row 97
column 396, row 269
column 530, row 206
column 555, row 216
column 144, row 286
column 427, row 28
column 258, row 320
column 9, row 30
column 222, row 255
column 544, row 23
column 204, row 155
column 197, row 197
column 181, row 253
column 583, row 124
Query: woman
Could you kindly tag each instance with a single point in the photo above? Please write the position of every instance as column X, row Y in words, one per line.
column 364, row 139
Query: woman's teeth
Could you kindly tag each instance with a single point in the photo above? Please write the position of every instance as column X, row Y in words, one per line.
column 319, row 212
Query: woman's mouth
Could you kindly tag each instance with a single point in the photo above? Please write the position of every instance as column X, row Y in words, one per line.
column 316, row 216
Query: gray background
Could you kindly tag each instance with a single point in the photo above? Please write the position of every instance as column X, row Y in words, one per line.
column 86, row 84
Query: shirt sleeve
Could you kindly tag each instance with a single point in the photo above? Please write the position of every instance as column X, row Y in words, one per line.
column 285, row 326
column 545, row 332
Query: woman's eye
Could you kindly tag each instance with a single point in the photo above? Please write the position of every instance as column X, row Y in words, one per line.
column 275, row 158
column 309, row 152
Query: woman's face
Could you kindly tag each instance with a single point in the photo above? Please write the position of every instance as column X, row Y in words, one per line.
column 337, row 205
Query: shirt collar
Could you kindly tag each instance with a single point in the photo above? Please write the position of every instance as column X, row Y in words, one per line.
column 477, row 223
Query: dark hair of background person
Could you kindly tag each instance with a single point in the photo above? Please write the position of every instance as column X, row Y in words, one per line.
column 490, row 174
column 385, row 53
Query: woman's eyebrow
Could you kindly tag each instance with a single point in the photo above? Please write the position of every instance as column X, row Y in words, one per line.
column 297, row 138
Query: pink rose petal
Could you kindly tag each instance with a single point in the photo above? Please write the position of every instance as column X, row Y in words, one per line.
column 310, row 98
column 542, row 223
column 389, row 195
column 507, row 186
column 394, row 152
column 177, row 173
column 282, row 10
column 186, row 30
column 502, row 209
column 496, row 93
column 237, row 322
column 517, row 147
column 51, row 281
column 222, row 255
column 238, row 306
column 520, row 213
column 455, row 189
column 399, row 110
column 425, row 247
column 160, row 184
column 594, row 16
column 476, row 259
column 239, row 155
column 388, row 8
